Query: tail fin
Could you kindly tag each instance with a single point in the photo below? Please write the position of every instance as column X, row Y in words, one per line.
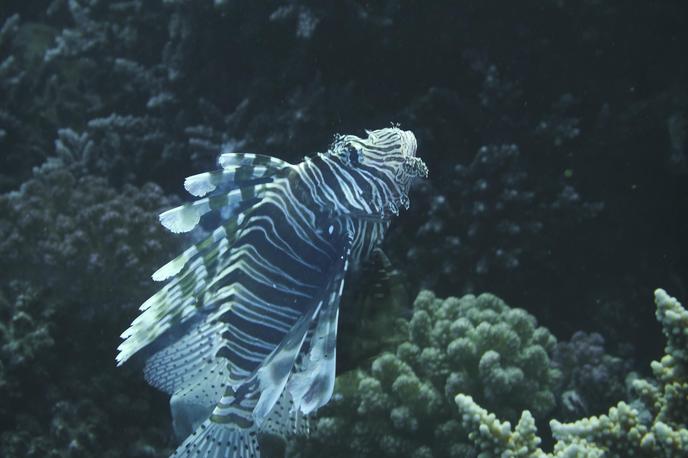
column 214, row 440
column 285, row 420
column 192, row 357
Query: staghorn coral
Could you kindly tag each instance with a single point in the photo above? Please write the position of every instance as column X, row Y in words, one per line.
column 404, row 403
column 655, row 424
column 129, row 68
column 496, row 438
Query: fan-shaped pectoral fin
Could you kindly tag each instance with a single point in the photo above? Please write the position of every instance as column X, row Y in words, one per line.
column 311, row 387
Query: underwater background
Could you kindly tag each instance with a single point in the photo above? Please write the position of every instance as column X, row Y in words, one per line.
column 556, row 136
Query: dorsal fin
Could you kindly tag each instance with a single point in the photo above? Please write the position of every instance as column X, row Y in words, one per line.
column 241, row 179
column 232, row 192
column 238, row 170
column 185, row 217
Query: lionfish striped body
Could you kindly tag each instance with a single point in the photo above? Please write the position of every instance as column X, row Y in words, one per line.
column 262, row 290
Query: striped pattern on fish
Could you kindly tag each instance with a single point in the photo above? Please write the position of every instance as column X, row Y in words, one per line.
column 263, row 288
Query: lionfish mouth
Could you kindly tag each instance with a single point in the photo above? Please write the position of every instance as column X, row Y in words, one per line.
column 408, row 143
column 413, row 166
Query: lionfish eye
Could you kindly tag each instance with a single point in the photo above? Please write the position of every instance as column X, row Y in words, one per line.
column 352, row 153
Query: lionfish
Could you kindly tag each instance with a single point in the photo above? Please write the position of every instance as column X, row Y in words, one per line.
column 258, row 298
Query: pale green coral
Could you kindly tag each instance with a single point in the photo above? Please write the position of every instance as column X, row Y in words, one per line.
column 403, row 405
column 496, row 438
column 482, row 347
column 653, row 425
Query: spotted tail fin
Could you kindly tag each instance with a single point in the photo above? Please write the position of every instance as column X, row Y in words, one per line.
column 212, row 440
column 284, row 420
column 192, row 357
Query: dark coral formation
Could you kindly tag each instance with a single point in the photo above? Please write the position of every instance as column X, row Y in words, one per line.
column 593, row 379
column 85, row 236
column 57, row 389
column 76, row 256
column 484, row 223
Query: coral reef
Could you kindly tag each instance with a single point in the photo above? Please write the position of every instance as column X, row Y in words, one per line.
column 74, row 234
column 485, row 221
column 655, row 424
column 403, row 403
column 491, row 219
column 24, row 335
column 62, row 396
column 27, row 110
column 137, row 128
column 524, row 144
column 592, row 379
column 156, row 88
column 75, row 253
column 484, row 348
column 139, row 81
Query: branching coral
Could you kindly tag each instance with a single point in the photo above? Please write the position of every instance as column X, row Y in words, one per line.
column 71, row 232
column 655, row 424
column 487, row 220
column 27, row 109
column 148, row 76
column 403, row 404
column 91, row 248
column 25, row 321
column 485, row 348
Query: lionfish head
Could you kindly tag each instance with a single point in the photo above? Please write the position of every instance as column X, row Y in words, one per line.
column 388, row 157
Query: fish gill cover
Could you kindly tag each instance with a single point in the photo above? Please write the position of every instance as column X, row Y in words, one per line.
column 556, row 136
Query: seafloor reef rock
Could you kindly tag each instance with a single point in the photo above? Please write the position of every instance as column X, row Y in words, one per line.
column 403, row 405
column 654, row 425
